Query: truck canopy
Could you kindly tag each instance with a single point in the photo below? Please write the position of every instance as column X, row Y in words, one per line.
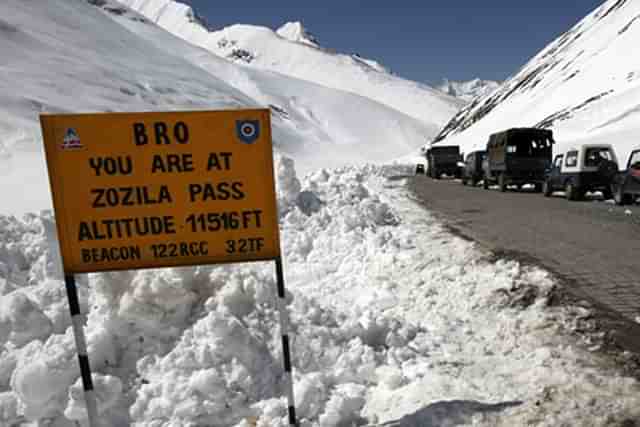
column 522, row 142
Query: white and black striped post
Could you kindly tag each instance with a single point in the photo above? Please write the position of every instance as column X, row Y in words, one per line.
column 286, row 353
column 81, row 348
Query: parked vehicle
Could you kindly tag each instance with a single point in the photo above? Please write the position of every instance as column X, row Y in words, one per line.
column 588, row 168
column 518, row 156
column 420, row 169
column 626, row 184
column 472, row 171
column 443, row 160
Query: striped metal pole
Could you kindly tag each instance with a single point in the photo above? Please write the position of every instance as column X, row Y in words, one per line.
column 81, row 348
column 286, row 353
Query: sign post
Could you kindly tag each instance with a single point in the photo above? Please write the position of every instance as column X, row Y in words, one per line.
column 151, row 190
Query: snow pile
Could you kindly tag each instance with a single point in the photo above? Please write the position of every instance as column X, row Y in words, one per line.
column 585, row 86
column 394, row 321
column 469, row 90
column 291, row 52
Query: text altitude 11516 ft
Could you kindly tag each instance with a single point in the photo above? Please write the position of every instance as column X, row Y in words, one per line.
column 146, row 190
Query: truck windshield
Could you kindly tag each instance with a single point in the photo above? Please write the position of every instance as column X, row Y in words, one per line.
column 445, row 150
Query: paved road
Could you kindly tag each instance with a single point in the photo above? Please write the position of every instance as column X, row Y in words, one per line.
column 593, row 245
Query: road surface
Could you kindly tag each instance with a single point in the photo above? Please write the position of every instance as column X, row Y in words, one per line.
column 594, row 246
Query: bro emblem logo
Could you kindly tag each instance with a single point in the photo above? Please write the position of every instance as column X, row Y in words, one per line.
column 71, row 140
column 248, row 130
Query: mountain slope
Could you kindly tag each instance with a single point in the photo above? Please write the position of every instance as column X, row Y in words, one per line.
column 292, row 52
column 71, row 56
column 64, row 56
column 318, row 126
column 585, row 86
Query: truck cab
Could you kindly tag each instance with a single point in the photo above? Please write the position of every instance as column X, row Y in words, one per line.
column 472, row 171
column 443, row 159
column 518, row 156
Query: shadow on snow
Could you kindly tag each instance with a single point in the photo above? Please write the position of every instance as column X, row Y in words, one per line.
column 448, row 413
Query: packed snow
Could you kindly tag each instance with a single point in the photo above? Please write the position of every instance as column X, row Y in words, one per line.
column 585, row 86
column 291, row 51
column 395, row 322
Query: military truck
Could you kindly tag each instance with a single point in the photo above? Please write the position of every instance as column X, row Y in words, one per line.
column 518, row 156
column 472, row 172
column 443, row 159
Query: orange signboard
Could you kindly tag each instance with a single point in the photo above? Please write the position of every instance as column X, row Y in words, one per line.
column 139, row 190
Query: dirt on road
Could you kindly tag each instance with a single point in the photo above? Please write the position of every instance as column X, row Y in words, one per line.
column 592, row 246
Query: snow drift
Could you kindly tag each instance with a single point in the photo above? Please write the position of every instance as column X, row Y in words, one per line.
column 394, row 322
column 585, row 86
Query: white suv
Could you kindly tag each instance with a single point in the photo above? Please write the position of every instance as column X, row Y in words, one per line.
column 590, row 167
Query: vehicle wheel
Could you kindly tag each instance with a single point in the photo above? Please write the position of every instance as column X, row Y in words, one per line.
column 607, row 194
column 571, row 192
column 474, row 182
column 485, row 183
column 502, row 183
column 436, row 174
column 621, row 198
column 537, row 187
column 464, row 181
column 546, row 189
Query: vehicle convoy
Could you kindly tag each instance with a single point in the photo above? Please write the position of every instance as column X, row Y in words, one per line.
column 577, row 171
column 626, row 184
column 518, row 156
column 472, row 172
column 443, row 160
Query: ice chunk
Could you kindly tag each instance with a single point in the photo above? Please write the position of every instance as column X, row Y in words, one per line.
column 308, row 202
column 23, row 319
column 287, row 183
column 107, row 390
column 344, row 406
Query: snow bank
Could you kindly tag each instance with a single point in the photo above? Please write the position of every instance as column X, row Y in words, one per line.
column 394, row 321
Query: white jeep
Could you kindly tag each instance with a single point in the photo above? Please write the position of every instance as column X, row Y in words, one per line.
column 588, row 168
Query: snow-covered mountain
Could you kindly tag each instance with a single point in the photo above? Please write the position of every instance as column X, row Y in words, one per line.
column 468, row 90
column 82, row 56
column 295, row 32
column 292, row 51
column 394, row 321
column 585, row 86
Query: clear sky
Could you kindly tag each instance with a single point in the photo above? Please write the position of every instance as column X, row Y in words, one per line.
column 424, row 40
